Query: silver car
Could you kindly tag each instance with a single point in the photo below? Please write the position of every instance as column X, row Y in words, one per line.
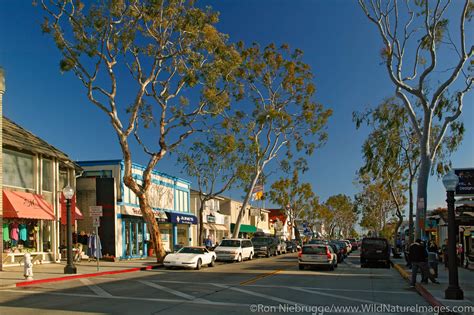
column 317, row 255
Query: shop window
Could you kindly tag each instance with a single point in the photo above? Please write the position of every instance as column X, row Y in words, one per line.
column 18, row 169
column 62, row 179
column 47, row 175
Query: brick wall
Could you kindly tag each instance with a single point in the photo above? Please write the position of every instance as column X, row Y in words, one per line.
column 86, row 196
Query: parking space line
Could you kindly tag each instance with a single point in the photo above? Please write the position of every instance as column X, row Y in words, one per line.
column 169, row 290
column 335, row 296
column 133, row 298
column 95, row 288
column 269, row 297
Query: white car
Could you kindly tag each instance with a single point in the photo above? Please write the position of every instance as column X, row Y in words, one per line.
column 235, row 250
column 190, row 257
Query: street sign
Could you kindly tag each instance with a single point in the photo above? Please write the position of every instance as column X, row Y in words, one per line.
column 95, row 221
column 95, row 211
column 466, row 181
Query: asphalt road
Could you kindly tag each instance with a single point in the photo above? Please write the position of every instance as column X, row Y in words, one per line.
column 261, row 286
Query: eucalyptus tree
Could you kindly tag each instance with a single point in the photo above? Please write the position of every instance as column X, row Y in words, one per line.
column 343, row 215
column 416, row 49
column 293, row 196
column 215, row 161
column 391, row 153
column 375, row 203
column 278, row 116
column 139, row 60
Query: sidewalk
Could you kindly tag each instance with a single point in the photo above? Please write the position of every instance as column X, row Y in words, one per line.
column 13, row 276
column 435, row 292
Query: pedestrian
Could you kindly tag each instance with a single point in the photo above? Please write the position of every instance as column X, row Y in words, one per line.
column 208, row 242
column 433, row 258
column 444, row 250
column 418, row 257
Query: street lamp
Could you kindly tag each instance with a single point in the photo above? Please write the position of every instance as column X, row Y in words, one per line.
column 68, row 194
column 453, row 292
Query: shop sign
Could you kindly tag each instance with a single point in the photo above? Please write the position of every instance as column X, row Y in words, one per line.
column 128, row 210
column 181, row 218
column 95, row 211
column 211, row 219
column 466, row 181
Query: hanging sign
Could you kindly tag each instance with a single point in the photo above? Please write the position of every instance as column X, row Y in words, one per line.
column 95, row 211
column 95, row 221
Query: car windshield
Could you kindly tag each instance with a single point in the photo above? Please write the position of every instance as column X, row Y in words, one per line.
column 191, row 250
column 230, row 243
column 319, row 250
column 260, row 241
column 378, row 244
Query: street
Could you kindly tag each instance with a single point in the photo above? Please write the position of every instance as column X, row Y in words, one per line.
column 262, row 286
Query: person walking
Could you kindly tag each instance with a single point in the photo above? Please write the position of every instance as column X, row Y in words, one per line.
column 419, row 260
column 433, row 258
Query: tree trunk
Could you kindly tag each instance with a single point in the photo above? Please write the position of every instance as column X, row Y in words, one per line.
column 410, row 211
column 397, row 227
column 422, row 193
column 153, row 227
column 201, row 224
column 235, row 234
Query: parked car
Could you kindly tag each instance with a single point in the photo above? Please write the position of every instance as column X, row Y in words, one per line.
column 318, row 241
column 348, row 245
column 235, row 250
column 264, row 246
column 375, row 250
column 291, row 246
column 338, row 250
column 343, row 246
column 190, row 257
column 281, row 247
column 317, row 255
column 354, row 243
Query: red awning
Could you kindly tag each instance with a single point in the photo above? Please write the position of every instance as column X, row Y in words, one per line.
column 79, row 215
column 23, row 205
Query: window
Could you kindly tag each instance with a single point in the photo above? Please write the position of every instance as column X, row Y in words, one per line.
column 18, row 169
column 62, row 179
column 47, row 175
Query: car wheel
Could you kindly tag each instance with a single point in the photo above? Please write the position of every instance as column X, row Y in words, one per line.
column 301, row 267
column 239, row 259
column 198, row 264
column 251, row 256
column 213, row 262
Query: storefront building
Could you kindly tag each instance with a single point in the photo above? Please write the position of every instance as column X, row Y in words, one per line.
column 232, row 208
column 215, row 224
column 34, row 173
column 123, row 231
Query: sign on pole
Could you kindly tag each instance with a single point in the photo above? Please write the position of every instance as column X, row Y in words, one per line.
column 95, row 221
column 95, row 211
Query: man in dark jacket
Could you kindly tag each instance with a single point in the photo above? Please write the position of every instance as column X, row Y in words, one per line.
column 419, row 260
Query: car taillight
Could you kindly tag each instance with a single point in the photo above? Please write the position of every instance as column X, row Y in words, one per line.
column 328, row 254
column 299, row 254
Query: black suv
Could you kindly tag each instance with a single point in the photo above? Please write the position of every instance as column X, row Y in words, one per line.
column 375, row 249
column 264, row 246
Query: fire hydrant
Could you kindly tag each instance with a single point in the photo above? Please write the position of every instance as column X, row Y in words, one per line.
column 28, row 267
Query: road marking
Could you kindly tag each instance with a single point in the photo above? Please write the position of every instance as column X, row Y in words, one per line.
column 96, row 289
column 269, row 297
column 169, row 290
column 113, row 297
column 264, row 275
column 335, row 296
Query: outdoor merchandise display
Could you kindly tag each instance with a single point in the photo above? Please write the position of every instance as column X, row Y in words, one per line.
column 20, row 235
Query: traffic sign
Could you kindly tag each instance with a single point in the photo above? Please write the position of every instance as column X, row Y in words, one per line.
column 95, row 211
column 95, row 221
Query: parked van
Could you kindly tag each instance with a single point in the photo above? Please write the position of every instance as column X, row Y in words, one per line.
column 374, row 250
column 235, row 250
column 265, row 246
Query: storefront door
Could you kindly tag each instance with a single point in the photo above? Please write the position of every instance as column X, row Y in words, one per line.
column 133, row 238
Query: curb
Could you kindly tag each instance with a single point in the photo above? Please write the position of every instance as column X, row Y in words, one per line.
column 79, row 276
column 421, row 289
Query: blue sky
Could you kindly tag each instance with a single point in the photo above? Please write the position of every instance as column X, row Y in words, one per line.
column 340, row 45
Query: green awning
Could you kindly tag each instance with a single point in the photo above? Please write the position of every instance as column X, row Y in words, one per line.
column 244, row 228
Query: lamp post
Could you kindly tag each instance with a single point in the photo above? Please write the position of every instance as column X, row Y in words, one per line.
column 68, row 194
column 453, row 292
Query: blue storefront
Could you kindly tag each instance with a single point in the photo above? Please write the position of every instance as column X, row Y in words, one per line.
column 128, row 234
